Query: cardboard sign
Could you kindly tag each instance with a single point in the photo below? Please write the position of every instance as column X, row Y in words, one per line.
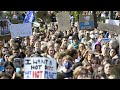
column 18, row 62
column 112, row 22
column 4, row 27
column 40, row 68
column 110, row 28
column 86, row 22
column 21, row 30
column 63, row 21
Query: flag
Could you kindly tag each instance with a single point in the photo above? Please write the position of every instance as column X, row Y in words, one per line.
column 30, row 17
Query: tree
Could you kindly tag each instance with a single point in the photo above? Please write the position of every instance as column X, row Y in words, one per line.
column 76, row 14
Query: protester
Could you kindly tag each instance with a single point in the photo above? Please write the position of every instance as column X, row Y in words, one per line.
column 79, row 54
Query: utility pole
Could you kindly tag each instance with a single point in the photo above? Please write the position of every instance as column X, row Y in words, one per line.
column 95, row 19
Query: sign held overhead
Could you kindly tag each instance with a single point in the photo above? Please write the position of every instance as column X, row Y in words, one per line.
column 21, row 30
column 63, row 21
column 86, row 22
column 110, row 28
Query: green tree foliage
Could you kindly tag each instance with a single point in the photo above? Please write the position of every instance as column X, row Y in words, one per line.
column 76, row 14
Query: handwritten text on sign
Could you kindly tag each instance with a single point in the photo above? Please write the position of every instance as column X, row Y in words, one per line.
column 21, row 30
column 39, row 68
column 63, row 21
column 110, row 28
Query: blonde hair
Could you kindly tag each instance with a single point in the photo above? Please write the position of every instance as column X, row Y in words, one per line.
column 67, row 57
column 64, row 46
column 70, row 46
column 59, row 55
column 49, row 48
column 50, row 43
column 77, row 71
column 11, row 58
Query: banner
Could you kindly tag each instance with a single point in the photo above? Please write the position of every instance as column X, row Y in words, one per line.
column 86, row 22
column 30, row 17
column 63, row 20
column 40, row 68
column 21, row 30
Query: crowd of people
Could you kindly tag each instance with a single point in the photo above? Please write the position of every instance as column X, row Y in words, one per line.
column 80, row 54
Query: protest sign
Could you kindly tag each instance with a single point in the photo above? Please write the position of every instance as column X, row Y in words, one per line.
column 110, row 28
column 112, row 22
column 4, row 27
column 106, row 39
column 39, row 68
column 63, row 20
column 21, row 30
column 18, row 62
column 86, row 22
